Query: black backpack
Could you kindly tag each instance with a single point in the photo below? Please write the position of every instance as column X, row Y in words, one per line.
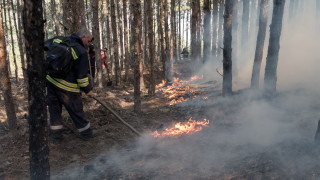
column 60, row 56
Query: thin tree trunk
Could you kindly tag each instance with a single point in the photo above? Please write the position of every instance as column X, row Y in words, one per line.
column 173, row 34
column 73, row 20
column 5, row 81
column 115, row 44
column 38, row 132
column 270, row 78
column 12, row 47
column 160, row 30
column 195, row 31
column 54, row 17
column 245, row 25
column 126, row 46
column 220, row 32
column 135, row 11
column 45, row 17
column 17, row 34
column 151, row 89
column 227, row 49
column 21, row 42
column 235, row 45
column 96, row 42
column 120, row 26
column 5, row 20
column 260, row 44
column 187, row 28
column 207, row 32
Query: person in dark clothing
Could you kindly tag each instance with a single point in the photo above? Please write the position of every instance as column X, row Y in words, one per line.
column 66, row 91
column 185, row 53
column 92, row 56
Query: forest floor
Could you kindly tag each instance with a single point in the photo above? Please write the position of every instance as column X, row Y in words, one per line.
column 117, row 153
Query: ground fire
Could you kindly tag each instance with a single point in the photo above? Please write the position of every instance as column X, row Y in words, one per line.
column 180, row 128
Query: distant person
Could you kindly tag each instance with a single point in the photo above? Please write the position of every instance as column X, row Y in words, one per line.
column 185, row 53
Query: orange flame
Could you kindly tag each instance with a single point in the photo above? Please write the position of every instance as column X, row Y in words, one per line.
column 161, row 84
column 179, row 129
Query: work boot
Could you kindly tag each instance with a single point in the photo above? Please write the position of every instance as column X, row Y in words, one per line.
column 56, row 136
column 88, row 134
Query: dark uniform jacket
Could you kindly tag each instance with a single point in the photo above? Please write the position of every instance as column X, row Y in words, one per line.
column 77, row 79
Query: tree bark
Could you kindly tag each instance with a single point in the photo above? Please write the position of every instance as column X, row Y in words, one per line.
column 235, row 42
column 207, row 32
column 5, row 20
column 220, row 31
column 173, row 34
column 263, row 19
column 135, row 11
column 115, row 44
column 18, row 34
column 97, row 39
column 126, row 46
column 227, row 49
column 215, row 25
column 195, row 29
column 151, row 89
column 38, row 132
column 270, row 78
column 5, row 81
column 54, row 17
column 120, row 27
column 245, row 25
column 160, row 30
column 73, row 16
column 12, row 46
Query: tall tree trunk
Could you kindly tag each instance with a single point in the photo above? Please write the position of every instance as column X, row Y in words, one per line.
column 245, row 25
column 160, row 30
column 12, row 47
column 38, row 132
column 73, row 20
column 207, row 32
column 227, row 49
column 149, row 16
column 54, row 17
column 22, row 43
column 5, row 20
column 17, row 34
column 5, row 81
column 187, row 28
column 96, row 42
column 270, row 78
column 126, row 46
column 135, row 11
column 235, row 42
column 195, row 31
column 173, row 34
column 220, row 32
column 167, row 70
column 115, row 44
column 120, row 24
column 260, row 44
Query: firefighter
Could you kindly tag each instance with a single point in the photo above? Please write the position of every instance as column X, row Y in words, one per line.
column 66, row 91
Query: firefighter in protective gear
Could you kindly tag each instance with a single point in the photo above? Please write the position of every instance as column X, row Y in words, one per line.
column 66, row 91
